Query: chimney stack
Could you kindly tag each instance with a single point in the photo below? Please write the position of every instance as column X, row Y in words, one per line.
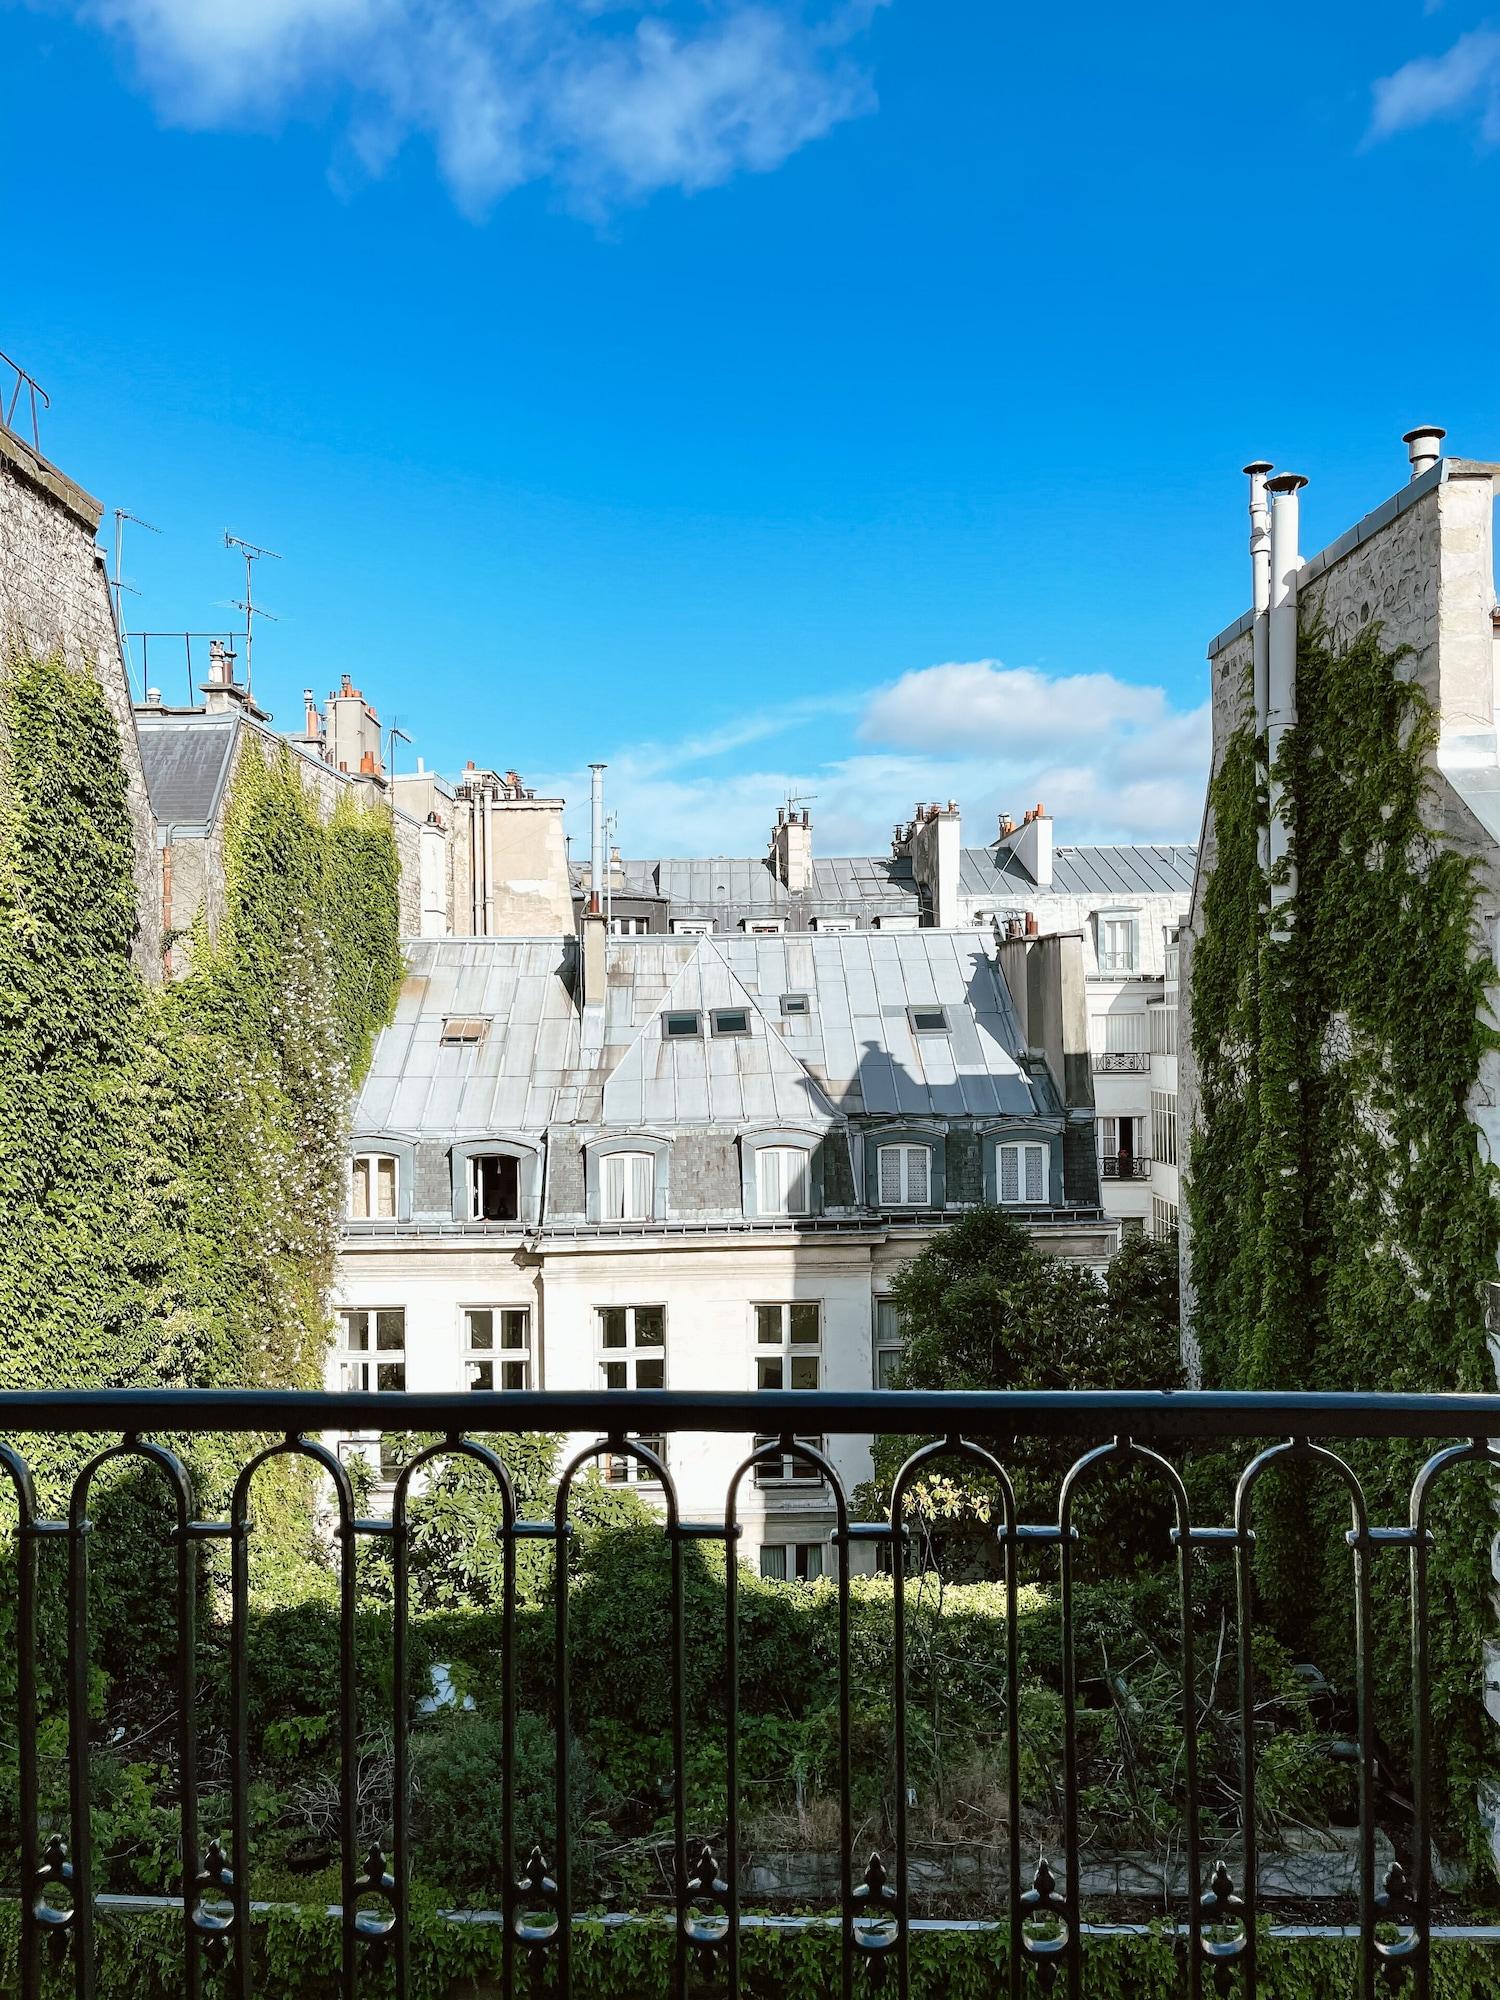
column 1260, row 599
column 1422, row 447
column 790, row 858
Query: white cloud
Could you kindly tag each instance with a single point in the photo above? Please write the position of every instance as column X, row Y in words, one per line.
column 1464, row 80
column 1110, row 759
column 611, row 102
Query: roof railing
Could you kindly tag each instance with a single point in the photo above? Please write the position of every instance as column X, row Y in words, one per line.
column 15, row 383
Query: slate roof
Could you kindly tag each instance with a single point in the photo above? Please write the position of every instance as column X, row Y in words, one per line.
column 1135, row 870
column 541, row 1061
column 186, row 760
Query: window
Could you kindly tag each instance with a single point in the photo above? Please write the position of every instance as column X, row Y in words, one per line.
column 627, row 1187
column 676, row 1026
column 768, row 927
column 633, row 1355
column 629, row 926
column 795, row 1003
column 1163, row 1218
column 896, row 923
column 1117, row 944
column 731, row 1020
column 692, row 926
column 373, row 1181
column 928, row 1020
column 780, row 1562
column 1024, row 1172
column 840, row 925
column 787, row 1470
column 372, row 1353
column 1131, row 1225
column 905, row 1176
column 494, row 1187
column 497, row 1347
column 788, row 1345
column 464, row 1030
column 781, row 1180
column 1126, row 1034
column 889, row 1342
column 1164, row 1126
column 1163, row 1030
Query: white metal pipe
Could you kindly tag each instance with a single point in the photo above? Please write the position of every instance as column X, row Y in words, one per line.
column 1260, row 587
column 598, row 859
column 1281, row 664
column 489, row 862
column 1424, row 447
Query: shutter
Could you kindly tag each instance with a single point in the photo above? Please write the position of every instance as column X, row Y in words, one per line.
column 890, row 1174
column 1009, row 1173
column 1036, row 1173
column 614, row 1187
column 642, row 1176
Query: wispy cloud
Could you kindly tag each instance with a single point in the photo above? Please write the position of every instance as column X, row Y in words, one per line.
column 1463, row 82
column 610, row 102
column 1111, row 759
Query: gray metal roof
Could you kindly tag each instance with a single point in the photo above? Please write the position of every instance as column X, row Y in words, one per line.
column 1135, row 870
column 186, row 760
column 541, row 1061
column 715, row 885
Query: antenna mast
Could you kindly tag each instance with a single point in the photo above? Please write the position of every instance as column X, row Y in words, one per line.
column 119, row 585
column 252, row 554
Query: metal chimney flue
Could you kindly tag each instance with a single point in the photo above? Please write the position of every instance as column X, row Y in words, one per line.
column 597, row 857
column 1424, row 447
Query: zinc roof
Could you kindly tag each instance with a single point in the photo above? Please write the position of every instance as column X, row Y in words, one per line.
column 1134, row 870
column 186, row 759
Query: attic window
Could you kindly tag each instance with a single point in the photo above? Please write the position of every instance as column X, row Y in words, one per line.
column 795, row 1003
column 464, row 1030
column 731, row 1021
column 676, row 1026
column 928, row 1020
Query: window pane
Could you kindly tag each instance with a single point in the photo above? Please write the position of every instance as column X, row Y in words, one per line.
column 887, row 1360
column 887, row 1325
column 642, row 1186
column 482, row 1329
column 769, row 1182
column 385, row 1174
column 651, row 1374
column 916, row 1174
column 680, row 1024
column 768, row 1373
column 768, row 1325
column 773, row 1562
column 390, row 1328
column 1010, row 1187
column 481, row 1374
column 804, row 1371
column 890, row 1173
column 1036, row 1161
column 614, row 1187
column 650, row 1326
column 359, row 1190
column 810, row 1560
column 515, row 1374
column 614, row 1374
column 612, row 1325
column 390, row 1375
column 357, row 1331
column 796, row 1183
column 515, row 1325
column 804, row 1323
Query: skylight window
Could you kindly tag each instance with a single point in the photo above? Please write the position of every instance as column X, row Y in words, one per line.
column 928, row 1020
column 677, row 1026
column 731, row 1021
column 464, row 1030
column 795, row 1003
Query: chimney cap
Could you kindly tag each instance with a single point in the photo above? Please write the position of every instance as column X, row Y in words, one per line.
column 1285, row 482
column 1434, row 431
column 1258, row 465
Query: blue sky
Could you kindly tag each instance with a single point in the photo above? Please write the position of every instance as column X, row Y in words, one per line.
column 838, row 397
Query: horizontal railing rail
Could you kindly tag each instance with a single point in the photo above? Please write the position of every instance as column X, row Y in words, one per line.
column 1125, row 1167
column 1217, row 1925
column 1121, row 1062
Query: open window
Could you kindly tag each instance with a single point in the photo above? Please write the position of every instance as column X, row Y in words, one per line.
column 374, row 1184
column 494, row 1187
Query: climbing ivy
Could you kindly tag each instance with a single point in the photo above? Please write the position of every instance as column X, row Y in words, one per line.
column 1344, row 1221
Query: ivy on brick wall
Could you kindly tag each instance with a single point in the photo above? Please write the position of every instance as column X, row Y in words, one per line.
column 1344, row 1221
column 171, row 1158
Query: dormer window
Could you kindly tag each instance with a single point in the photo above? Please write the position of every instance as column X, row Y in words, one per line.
column 905, row 1176
column 627, row 1186
column 1024, row 1173
column 374, row 1180
column 692, row 926
column 782, row 1180
column 494, row 1187
column 678, row 1027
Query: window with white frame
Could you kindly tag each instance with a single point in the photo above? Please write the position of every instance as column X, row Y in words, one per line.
column 841, row 925
column 765, row 926
column 633, row 1355
column 497, row 1347
column 905, row 1176
column 1118, row 943
column 372, row 1347
column 785, row 1562
column 787, row 1469
column 789, row 1345
column 782, row 1180
column 1119, row 1137
column 494, row 1187
column 1163, row 1218
column 1023, row 1172
column 889, row 1342
column 629, row 926
column 1164, row 1126
column 627, row 1187
column 693, row 926
column 1163, row 1021
column 374, row 1184
column 1126, row 1034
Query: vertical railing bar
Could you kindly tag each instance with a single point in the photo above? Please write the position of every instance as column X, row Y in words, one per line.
column 1421, row 1735
column 1364, row 1698
column 563, row 1742
column 1190, row 1752
column 187, row 1739
column 898, row 1671
column 508, row 1751
column 401, row 1763
column 846, row 1783
column 732, row 1740
column 348, row 1754
column 26, row 1721
column 79, row 1788
column 1070, row 1755
column 1250, row 1887
column 680, row 1869
column 1013, row 1749
column 239, row 1739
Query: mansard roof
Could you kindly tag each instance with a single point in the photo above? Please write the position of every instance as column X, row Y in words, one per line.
column 1139, row 869
column 854, row 1051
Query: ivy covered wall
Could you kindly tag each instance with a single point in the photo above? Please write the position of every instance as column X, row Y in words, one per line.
column 170, row 1159
column 1344, row 1217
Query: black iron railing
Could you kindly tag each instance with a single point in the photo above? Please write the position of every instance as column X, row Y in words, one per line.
column 1125, row 1167
column 1121, row 1062
column 1146, row 1431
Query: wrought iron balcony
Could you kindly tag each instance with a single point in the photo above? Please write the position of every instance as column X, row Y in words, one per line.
column 1124, row 1167
column 1121, row 1062
column 1217, row 1930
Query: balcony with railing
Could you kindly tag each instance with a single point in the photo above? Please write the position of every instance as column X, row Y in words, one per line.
column 879, row 1896
column 1121, row 1062
column 1124, row 1167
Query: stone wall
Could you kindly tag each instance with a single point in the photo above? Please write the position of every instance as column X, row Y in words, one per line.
column 54, row 597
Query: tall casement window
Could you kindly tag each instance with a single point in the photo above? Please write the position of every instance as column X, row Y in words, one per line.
column 372, row 1347
column 627, row 1187
column 1164, row 1126
column 374, row 1182
column 785, row 1562
column 1023, row 1172
column 633, row 1355
column 1163, row 1218
column 494, row 1187
column 497, row 1347
column 783, row 1180
column 1119, row 948
column 905, row 1176
column 789, row 1345
column 889, row 1342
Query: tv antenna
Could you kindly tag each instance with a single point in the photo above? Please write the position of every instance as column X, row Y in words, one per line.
column 119, row 585
column 252, row 554
column 393, row 736
column 795, row 799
